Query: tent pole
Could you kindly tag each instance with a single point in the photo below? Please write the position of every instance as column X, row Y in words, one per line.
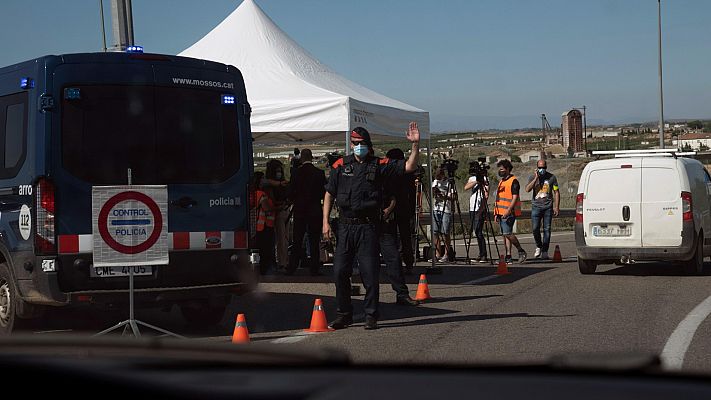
column 433, row 253
column 348, row 143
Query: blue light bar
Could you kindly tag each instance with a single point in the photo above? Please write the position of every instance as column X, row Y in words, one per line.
column 27, row 83
column 134, row 49
column 228, row 99
column 72, row 93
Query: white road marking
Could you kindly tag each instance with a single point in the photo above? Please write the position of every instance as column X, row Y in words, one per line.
column 679, row 341
column 296, row 337
column 53, row 331
column 480, row 280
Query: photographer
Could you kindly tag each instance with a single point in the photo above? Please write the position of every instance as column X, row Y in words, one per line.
column 478, row 183
column 442, row 212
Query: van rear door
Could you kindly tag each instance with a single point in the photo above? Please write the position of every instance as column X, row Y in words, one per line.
column 661, row 202
column 612, row 209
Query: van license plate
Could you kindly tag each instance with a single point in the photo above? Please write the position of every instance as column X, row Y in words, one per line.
column 611, row 231
column 115, row 272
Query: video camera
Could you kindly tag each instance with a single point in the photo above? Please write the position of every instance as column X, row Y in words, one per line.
column 450, row 165
column 479, row 168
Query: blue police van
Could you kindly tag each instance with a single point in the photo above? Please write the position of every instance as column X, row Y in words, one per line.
column 75, row 121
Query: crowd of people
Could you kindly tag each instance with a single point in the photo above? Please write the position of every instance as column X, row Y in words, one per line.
column 376, row 203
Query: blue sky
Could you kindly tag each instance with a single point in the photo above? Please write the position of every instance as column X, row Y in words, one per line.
column 468, row 62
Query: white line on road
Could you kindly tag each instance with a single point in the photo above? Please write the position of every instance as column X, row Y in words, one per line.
column 679, row 341
column 480, row 280
column 297, row 337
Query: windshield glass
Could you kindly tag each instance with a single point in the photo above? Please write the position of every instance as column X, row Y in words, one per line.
column 412, row 181
column 164, row 134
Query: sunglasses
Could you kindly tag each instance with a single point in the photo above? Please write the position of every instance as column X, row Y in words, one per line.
column 356, row 143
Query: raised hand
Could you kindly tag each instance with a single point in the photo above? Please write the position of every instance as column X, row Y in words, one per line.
column 413, row 133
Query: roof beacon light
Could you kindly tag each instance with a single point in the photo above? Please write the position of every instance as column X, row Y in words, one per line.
column 228, row 99
column 134, row 49
column 27, row 83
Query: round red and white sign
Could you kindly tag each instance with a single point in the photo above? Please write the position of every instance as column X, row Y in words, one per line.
column 130, row 222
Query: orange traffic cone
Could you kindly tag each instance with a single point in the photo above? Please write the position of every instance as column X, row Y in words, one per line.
column 318, row 319
column 423, row 291
column 241, row 334
column 556, row 256
column 502, row 268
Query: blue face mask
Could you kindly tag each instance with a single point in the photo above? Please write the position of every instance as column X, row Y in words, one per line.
column 360, row 150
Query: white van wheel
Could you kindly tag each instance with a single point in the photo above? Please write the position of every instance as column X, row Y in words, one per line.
column 586, row 267
column 695, row 266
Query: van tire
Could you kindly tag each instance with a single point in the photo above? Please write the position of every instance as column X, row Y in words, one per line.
column 586, row 267
column 14, row 312
column 695, row 266
column 204, row 315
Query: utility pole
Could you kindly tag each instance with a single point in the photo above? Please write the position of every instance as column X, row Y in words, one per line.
column 103, row 27
column 122, row 24
column 661, row 87
column 585, row 130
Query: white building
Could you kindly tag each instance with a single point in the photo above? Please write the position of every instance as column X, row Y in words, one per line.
column 695, row 141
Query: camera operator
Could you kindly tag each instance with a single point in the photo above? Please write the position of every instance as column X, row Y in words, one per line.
column 442, row 212
column 478, row 183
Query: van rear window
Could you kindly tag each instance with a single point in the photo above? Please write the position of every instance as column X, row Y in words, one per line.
column 164, row 134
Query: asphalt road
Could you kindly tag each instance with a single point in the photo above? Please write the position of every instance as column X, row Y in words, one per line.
column 540, row 310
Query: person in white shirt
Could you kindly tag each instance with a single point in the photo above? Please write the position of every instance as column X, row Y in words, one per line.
column 442, row 223
column 480, row 194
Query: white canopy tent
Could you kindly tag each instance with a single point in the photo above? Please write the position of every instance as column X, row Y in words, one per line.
column 293, row 96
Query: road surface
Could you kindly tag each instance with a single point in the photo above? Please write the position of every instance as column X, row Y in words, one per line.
column 541, row 309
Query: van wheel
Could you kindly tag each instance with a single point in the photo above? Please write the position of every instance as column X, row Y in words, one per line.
column 11, row 305
column 202, row 315
column 586, row 267
column 695, row 266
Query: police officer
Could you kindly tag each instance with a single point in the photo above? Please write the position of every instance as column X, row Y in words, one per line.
column 356, row 184
column 391, row 253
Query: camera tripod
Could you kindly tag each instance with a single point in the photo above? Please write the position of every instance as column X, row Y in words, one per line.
column 452, row 196
column 488, row 225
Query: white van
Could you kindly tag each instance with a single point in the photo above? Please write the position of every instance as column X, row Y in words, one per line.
column 643, row 206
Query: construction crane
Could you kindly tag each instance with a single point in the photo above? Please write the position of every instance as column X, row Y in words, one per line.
column 546, row 128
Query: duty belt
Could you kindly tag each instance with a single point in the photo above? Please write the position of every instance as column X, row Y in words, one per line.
column 358, row 221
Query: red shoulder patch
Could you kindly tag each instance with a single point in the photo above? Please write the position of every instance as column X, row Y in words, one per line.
column 338, row 163
column 383, row 161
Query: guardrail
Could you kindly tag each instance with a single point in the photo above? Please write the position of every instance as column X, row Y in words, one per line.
column 564, row 213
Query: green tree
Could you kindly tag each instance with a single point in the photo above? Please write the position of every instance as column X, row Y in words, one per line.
column 516, row 159
column 703, row 147
column 696, row 124
column 686, row 147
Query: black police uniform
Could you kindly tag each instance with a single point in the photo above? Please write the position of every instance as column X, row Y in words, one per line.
column 357, row 188
column 391, row 257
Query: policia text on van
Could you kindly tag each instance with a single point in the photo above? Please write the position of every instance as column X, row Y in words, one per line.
column 71, row 122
